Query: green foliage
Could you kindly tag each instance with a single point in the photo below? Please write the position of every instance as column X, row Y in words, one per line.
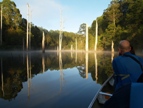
column 91, row 42
column 123, row 19
column 12, row 16
column 82, row 29
column 68, row 39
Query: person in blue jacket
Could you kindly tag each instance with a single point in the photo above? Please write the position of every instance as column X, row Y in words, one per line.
column 127, row 67
column 128, row 71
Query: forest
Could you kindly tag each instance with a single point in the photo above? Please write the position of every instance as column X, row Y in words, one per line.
column 122, row 19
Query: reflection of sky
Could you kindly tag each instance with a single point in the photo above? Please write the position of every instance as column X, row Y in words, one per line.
column 46, row 91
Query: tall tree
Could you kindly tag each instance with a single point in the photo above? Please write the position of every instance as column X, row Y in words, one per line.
column 134, row 20
column 12, row 15
column 112, row 15
column 12, row 19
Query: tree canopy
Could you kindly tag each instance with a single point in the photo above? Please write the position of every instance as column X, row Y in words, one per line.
column 121, row 20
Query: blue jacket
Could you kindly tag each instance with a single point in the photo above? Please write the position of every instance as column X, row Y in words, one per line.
column 126, row 69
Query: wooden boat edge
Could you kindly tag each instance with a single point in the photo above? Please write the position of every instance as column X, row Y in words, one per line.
column 96, row 95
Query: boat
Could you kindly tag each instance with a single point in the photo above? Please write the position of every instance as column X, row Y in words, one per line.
column 103, row 94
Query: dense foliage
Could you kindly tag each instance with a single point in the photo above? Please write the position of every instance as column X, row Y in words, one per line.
column 121, row 20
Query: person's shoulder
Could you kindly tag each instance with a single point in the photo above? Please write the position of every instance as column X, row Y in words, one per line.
column 138, row 57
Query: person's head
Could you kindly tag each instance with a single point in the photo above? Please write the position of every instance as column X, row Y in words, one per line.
column 124, row 46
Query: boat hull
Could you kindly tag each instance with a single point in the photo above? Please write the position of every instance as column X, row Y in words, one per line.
column 103, row 94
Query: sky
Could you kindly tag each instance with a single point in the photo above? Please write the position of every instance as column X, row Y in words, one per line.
column 49, row 13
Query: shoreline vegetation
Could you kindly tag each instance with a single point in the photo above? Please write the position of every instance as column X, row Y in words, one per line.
column 46, row 51
column 127, row 24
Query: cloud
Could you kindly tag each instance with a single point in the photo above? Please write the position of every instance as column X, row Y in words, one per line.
column 45, row 8
column 40, row 8
column 45, row 13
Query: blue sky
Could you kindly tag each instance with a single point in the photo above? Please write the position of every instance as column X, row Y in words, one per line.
column 46, row 13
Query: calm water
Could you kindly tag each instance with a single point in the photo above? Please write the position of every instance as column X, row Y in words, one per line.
column 52, row 80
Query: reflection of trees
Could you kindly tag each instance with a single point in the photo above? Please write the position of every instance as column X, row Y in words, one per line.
column 86, row 64
column 61, row 70
column 96, row 69
column 11, row 79
column 104, row 66
column 99, row 63
column 43, row 63
column 15, row 71
column 11, row 85
column 28, row 66
column 1, row 66
column 81, row 70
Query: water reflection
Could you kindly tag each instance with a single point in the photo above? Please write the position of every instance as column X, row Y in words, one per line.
column 11, row 82
column 61, row 70
column 96, row 69
column 76, row 57
column 19, row 69
column 28, row 67
column 2, row 78
column 43, row 63
column 112, row 56
column 86, row 64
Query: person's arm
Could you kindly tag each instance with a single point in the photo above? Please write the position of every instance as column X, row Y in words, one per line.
column 115, row 72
